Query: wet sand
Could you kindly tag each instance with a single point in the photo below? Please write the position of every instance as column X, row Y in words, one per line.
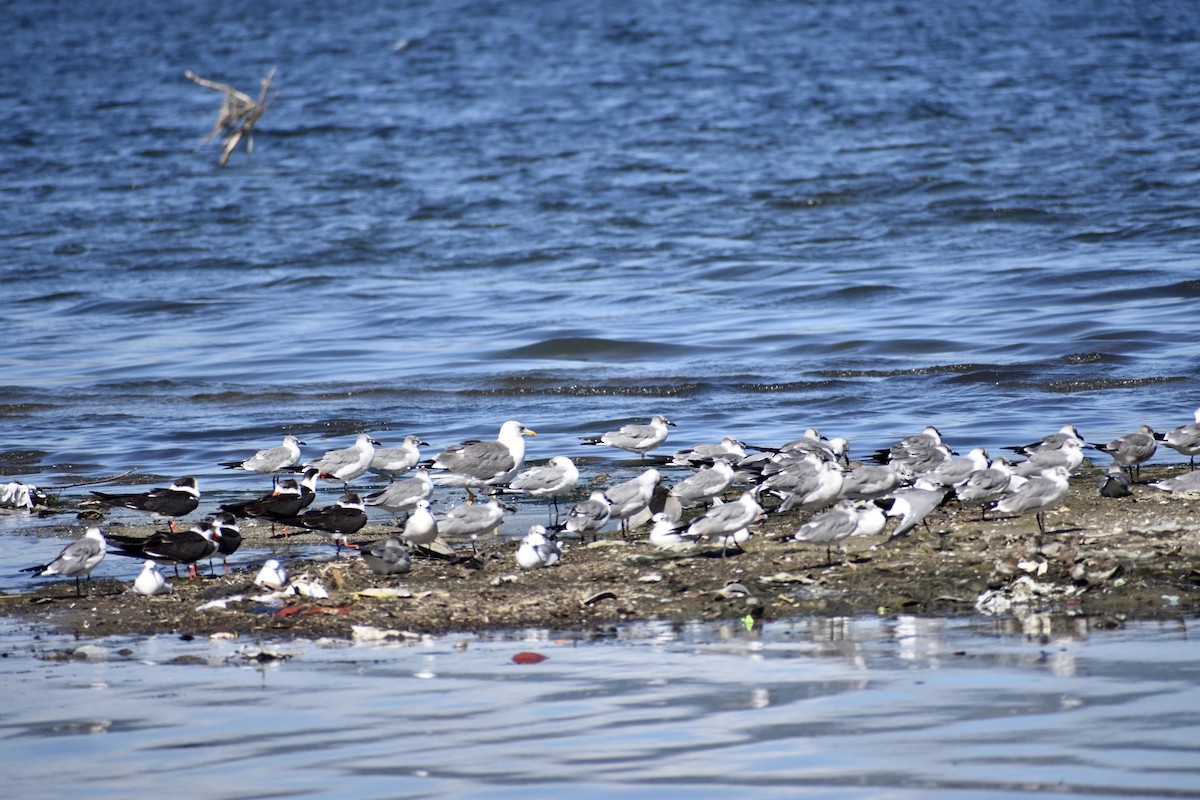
column 1109, row 559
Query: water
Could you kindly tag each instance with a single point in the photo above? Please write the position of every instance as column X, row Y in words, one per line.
column 860, row 216
column 899, row 708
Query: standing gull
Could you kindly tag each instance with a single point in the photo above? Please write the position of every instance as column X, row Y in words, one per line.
column 1184, row 440
column 701, row 487
column 554, row 479
column 472, row 519
column 403, row 495
column 629, row 499
column 348, row 463
column 1067, row 433
column 1038, row 494
column 421, row 528
column 728, row 522
column 77, row 559
column 392, row 462
column 478, row 464
column 1132, row 449
column 636, row 438
column 589, row 516
column 701, row 454
column 271, row 460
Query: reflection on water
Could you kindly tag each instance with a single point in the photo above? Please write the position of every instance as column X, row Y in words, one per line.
column 898, row 707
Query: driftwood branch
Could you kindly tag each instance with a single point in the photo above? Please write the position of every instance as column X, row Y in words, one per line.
column 239, row 113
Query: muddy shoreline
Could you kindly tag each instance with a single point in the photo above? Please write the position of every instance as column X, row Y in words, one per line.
column 1108, row 559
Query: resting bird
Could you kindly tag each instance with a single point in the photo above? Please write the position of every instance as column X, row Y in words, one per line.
column 538, row 549
column 387, row 558
column 177, row 500
column 171, row 547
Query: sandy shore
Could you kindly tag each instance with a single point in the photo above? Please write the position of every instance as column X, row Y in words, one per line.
column 1109, row 559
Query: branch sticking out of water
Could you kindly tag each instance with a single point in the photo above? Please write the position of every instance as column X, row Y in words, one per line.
column 239, row 113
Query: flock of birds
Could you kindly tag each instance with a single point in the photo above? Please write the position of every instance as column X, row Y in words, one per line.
column 812, row 473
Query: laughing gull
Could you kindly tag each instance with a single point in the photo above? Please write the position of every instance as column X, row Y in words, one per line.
column 700, row 488
column 150, row 581
column 590, row 515
column 1132, row 449
column 554, row 479
column 392, row 462
column 389, row 557
column 271, row 460
column 77, row 559
column 1184, row 440
column 538, row 549
column 1038, row 494
column 348, row 463
column 403, row 495
column 635, row 438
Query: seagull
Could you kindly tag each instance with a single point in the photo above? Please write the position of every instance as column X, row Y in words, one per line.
column 171, row 547
column 538, row 549
column 703, row 453
column 273, row 575
column 177, row 500
column 1069, row 454
column 929, row 438
column 348, row 463
column 150, row 581
column 554, row 479
column 1053, row 441
column 1187, row 483
column 701, row 487
column 1184, row 440
column 271, row 460
column 1038, row 494
column 589, row 516
column 665, row 533
column 628, row 499
column 985, row 486
column 392, row 462
column 422, row 526
column 472, row 519
column 1114, row 482
column 1132, row 449
column 477, row 464
column 635, row 438
column 868, row 481
column 402, row 495
column 949, row 473
column 728, row 522
column 818, row 491
column 912, row 505
column 829, row 527
column 338, row 521
column 77, row 559
column 388, row 558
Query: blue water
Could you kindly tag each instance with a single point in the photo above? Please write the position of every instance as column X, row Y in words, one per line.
column 840, row 708
column 862, row 216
